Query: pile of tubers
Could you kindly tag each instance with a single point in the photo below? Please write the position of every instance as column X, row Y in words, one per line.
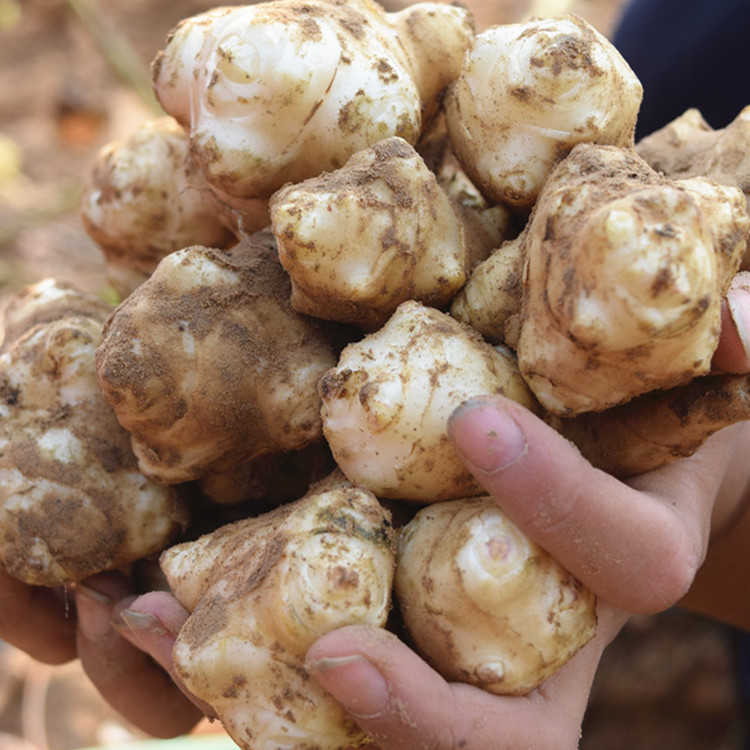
column 350, row 223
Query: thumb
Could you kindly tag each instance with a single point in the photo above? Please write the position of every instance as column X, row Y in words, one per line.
column 402, row 703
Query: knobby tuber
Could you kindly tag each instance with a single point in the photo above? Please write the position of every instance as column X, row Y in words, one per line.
column 147, row 198
column 689, row 147
column 279, row 92
column 207, row 366
column 72, row 501
column 623, row 279
column 527, row 94
column 386, row 404
column 260, row 592
column 483, row 603
column 359, row 241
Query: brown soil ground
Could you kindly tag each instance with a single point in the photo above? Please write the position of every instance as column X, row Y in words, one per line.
column 667, row 682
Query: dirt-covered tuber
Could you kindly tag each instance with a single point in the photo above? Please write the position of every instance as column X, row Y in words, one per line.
column 689, row 147
column 261, row 591
column 147, row 198
column 279, row 92
column 386, row 405
column 72, row 501
column 624, row 276
column 528, row 93
column 207, row 365
column 359, row 241
column 483, row 603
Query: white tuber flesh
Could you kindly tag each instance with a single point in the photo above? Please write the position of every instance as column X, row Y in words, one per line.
column 359, row 241
column 146, row 198
column 386, row 405
column 261, row 591
column 483, row 603
column 625, row 271
column 72, row 502
column 207, row 365
column 279, row 92
column 527, row 94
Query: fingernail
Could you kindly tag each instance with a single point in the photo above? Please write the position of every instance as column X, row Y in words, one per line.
column 486, row 437
column 94, row 612
column 738, row 302
column 138, row 622
column 354, row 682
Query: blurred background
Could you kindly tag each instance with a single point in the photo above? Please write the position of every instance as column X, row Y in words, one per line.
column 74, row 76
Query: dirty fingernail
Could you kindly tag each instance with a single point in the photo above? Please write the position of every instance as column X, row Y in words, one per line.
column 355, row 683
column 486, row 437
column 139, row 622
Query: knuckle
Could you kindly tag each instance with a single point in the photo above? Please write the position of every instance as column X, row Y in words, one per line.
column 680, row 559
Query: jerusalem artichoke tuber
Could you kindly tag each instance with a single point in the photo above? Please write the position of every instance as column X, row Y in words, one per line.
column 483, row 603
column 72, row 502
column 359, row 241
column 527, row 94
column 386, row 404
column 146, row 198
column 208, row 366
column 260, row 592
column 624, row 275
column 689, row 147
column 279, row 92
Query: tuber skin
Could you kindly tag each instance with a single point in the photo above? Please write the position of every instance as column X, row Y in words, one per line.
column 280, row 92
column 659, row 427
column 260, row 592
column 72, row 501
column 490, row 302
column 624, row 276
column 44, row 302
column 359, row 241
column 207, row 366
column 386, row 404
column 689, row 147
column 527, row 94
column 147, row 198
column 483, row 603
